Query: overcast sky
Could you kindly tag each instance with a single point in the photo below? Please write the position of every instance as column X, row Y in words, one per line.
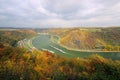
column 59, row 13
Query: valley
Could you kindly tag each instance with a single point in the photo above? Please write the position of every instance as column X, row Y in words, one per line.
column 59, row 39
column 43, row 42
column 30, row 54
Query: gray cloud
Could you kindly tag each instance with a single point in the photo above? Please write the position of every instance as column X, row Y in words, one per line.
column 59, row 13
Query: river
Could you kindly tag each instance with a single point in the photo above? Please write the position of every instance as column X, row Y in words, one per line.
column 43, row 42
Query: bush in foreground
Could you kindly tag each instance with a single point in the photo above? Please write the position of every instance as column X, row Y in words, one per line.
column 19, row 64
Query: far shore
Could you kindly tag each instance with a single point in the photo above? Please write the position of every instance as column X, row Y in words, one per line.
column 73, row 49
column 82, row 50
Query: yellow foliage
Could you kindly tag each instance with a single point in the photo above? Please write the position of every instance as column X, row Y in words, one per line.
column 9, row 64
column 61, row 68
column 38, row 57
column 27, row 56
column 37, row 68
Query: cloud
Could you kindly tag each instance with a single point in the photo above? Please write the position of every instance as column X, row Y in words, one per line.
column 59, row 13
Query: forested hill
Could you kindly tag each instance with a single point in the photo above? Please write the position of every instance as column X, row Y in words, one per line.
column 11, row 37
column 17, row 63
column 107, row 39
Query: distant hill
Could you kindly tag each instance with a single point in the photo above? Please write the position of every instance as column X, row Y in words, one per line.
column 90, row 38
column 9, row 37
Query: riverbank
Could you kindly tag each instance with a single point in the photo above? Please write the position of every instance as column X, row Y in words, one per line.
column 27, row 43
column 73, row 49
column 68, row 48
column 43, row 42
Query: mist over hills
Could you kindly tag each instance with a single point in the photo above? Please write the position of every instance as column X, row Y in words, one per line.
column 51, row 27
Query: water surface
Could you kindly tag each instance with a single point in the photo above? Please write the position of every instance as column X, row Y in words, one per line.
column 43, row 42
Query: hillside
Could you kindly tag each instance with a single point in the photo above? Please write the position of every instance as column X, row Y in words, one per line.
column 107, row 39
column 11, row 37
column 19, row 63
